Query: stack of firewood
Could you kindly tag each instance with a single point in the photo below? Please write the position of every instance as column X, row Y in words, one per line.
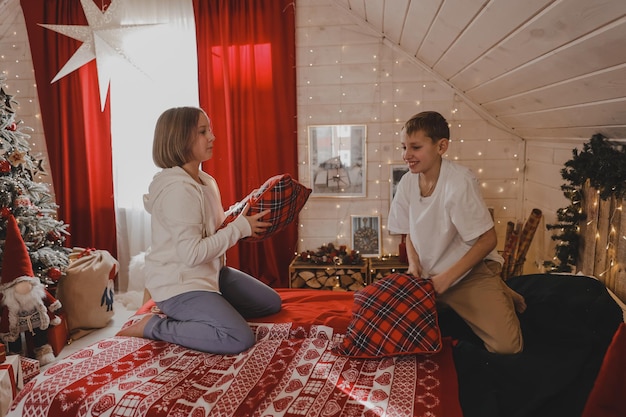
column 341, row 279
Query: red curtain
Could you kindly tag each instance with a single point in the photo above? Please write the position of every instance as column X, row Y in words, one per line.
column 247, row 82
column 246, row 69
column 78, row 133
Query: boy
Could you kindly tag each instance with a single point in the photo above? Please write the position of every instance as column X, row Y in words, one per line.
column 451, row 237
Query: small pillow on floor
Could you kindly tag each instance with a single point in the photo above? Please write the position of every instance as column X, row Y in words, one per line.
column 281, row 194
column 395, row 315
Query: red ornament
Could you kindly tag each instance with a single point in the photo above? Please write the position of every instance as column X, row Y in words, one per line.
column 5, row 212
column 5, row 166
column 54, row 274
column 22, row 201
column 12, row 127
column 53, row 236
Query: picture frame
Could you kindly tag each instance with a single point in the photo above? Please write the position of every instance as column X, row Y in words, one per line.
column 366, row 235
column 396, row 171
column 337, row 160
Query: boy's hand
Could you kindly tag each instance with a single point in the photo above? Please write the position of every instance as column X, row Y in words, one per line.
column 441, row 283
column 414, row 270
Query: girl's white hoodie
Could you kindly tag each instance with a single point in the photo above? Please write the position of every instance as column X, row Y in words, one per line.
column 186, row 252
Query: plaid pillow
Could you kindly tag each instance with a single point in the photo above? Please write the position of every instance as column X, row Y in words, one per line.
column 394, row 316
column 281, row 194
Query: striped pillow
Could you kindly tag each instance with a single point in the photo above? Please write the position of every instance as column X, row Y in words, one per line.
column 281, row 194
column 395, row 315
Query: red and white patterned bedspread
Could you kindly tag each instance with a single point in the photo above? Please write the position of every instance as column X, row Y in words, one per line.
column 281, row 375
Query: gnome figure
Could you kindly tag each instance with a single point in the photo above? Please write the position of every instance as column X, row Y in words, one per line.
column 25, row 304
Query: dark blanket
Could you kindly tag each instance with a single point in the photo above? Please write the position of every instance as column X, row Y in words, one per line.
column 567, row 327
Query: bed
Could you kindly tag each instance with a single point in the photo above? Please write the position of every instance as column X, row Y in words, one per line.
column 570, row 323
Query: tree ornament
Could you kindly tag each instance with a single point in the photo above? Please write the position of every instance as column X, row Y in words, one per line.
column 5, row 212
column 17, row 158
column 54, row 274
column 5, row 166
column 18, row 278
column 53, row 236
column 7, row 99
column 22, row 201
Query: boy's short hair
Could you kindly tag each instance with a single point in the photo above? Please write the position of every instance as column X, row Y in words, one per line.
column 172, row 144
column 433, row 124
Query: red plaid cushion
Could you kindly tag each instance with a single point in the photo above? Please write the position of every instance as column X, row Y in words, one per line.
column 281, row 194
column 394, row 316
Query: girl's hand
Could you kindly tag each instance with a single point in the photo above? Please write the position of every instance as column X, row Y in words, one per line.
column 256, row 224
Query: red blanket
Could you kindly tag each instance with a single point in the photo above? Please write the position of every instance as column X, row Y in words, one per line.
column 290, row 371
column 305, row 307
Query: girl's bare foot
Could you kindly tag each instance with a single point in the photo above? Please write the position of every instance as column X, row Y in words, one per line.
column 135, row 329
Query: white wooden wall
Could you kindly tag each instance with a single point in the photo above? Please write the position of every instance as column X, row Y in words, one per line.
column 542, row 182
column 346, row 75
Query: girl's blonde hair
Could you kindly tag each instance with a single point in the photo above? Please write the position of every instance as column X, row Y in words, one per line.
column 172, row 144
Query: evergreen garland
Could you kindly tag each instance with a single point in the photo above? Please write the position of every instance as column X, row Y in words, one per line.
column 331, row 255
column 601, row 162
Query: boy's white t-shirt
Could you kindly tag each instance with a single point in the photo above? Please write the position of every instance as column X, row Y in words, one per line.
column 445, row 225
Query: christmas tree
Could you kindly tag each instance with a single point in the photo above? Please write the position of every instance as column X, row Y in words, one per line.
column 29, row 201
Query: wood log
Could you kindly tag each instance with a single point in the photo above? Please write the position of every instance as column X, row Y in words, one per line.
column 601, row 261
column 331, row 281
column 526, row 237
column 588, row 230
column 356, row 286
column 306, row 275
column 358, row 276
column 510, row 247
column 346, row 280
column 511, row 263
column 313, row 283
column 619, row 286
column 297, row 281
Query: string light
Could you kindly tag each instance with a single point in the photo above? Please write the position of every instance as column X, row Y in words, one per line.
column 394, row 98
column 18, row 56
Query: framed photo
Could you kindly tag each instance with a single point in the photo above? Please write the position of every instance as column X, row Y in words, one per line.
column 396, row 171
column 337, row 160
column 366, row 237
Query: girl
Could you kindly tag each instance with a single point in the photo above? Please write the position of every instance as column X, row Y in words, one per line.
column 205, row 302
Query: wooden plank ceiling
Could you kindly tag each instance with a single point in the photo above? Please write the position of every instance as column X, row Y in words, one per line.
column 545, row 69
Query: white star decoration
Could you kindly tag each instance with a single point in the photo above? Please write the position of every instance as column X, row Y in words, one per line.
column 103, row 40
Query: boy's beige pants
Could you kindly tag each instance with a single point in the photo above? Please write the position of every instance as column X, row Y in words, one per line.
column 484, row 301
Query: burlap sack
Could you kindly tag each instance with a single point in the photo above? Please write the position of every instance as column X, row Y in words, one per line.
column 86, row 292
